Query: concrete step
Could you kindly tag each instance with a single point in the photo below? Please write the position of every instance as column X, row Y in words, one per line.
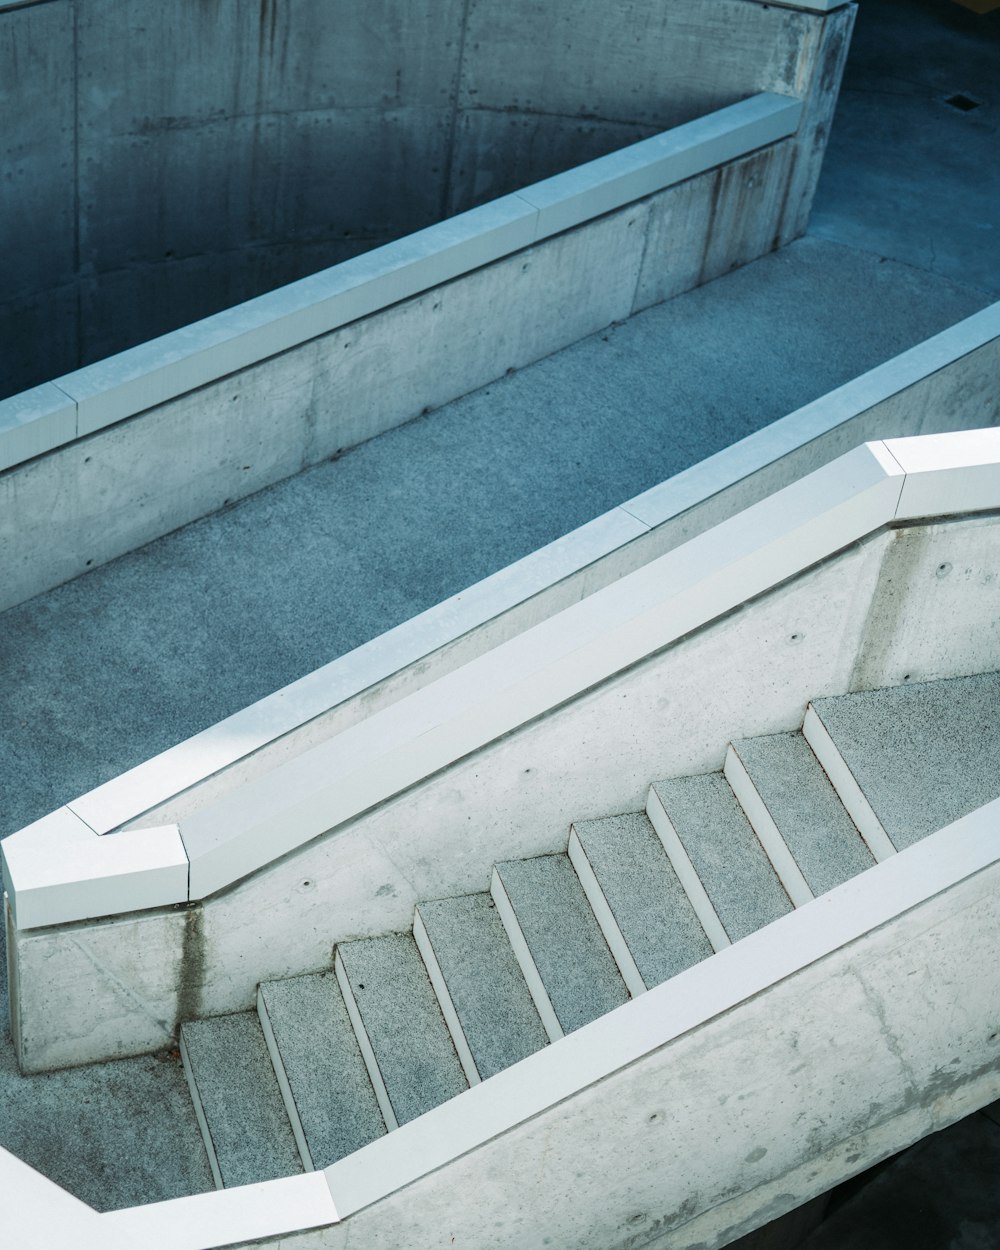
column 325, row 1085
column 405, row 1042
column 908, row 760
column 479, row 983
column 644, row 913
column 795, row 812
column 716, row 854
column 565, row 960
column 237, row 1100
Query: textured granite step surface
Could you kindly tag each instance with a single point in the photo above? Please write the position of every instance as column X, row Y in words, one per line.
column 805, row 809
column 641, row 889
column 923, row 753
column 484, row 981
column 725, row 852
column 403, row 1024
column 327, row 1081
column 237, row 1092
column 563, row 938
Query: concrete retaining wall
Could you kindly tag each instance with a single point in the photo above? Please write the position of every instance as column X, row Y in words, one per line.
column 427, row 795
column 174, row 429
column 167, row 163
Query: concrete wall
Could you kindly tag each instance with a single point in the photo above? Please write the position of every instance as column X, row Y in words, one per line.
column 737, row 1121
column 166, row 162
column 108, row 988
column 258, row 393
column 790, row 1061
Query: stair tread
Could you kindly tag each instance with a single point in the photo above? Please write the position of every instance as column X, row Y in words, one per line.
column 647, row 900
column 326, row 1073
column 484, row 980
column 241, row 1100
column 924, row 753
column 804, row 806
column 401, row 1016
column 724, row 850
column 573, row 960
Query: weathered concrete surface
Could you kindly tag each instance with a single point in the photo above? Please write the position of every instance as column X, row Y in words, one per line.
column 115, row 1134
column 912, row 634
column 252, row 130
column 939, row 1195
column 142, row 996
column 516, row 798
column 74, row 711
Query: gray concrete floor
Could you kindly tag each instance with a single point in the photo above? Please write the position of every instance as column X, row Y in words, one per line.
column 110, row 669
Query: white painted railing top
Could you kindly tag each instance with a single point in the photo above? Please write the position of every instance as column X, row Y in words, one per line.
column 46, row 1215
column 91, row 398
column 60, row 870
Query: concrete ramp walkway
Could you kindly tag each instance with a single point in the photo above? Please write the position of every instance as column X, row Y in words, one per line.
column 122, row 663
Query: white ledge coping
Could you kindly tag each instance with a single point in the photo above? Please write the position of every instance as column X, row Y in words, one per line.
column 44, row 1214
column 128, row 796
column 94, row 397
column 522, row 679
column 62, row 867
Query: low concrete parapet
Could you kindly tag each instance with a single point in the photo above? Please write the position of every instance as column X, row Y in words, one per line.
column 418, row 798
column 127, row 449
column 815, row 1012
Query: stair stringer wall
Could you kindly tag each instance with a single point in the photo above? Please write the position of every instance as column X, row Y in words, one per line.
column 809, row 1082
column 104, row 989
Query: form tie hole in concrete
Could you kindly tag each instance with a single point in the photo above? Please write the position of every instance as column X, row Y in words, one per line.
column 943, row 569
column 962, row 102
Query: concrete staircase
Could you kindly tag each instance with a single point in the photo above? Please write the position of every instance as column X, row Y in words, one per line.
column 403, row 1022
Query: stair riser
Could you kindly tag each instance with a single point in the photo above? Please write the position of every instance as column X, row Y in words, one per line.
column 529, row 970
column 848, row 790
column 426, row 949
column 789, row 873
column 689, row 879
column 199, row 1111
column 605, row 917
column 364, row 1043
column 283, row 1084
